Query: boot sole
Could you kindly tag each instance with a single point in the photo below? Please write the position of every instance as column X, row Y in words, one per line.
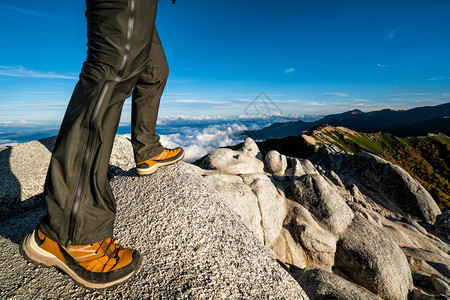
column 153, row 169
column 31, row 251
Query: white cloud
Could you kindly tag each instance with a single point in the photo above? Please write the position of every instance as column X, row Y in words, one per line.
column 46, row 93
column 197, row 141
column 438, row 78
column 22, row 124
column 199, row 101
column 390, row 35
column 289, row 70
column 305, row 102
column 411, row 94
column 256, row 95
column 7, row 142
column 20, row 10
column 381, row 66
column 22, row 94
column 337, row 95
column 19, row 71
column 178, row 94
column 242, row 100
column 360, row 100
column 199, row 135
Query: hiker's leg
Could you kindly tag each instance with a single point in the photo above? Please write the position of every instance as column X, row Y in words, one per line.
column 145, row 104
column 81, row 207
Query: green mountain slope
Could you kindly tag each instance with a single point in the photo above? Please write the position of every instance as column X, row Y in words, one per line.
column 425, row 158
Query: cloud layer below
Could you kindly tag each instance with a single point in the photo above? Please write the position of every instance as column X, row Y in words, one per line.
column 200, row 135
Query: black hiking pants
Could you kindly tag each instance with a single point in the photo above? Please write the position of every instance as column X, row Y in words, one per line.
column 121, row 33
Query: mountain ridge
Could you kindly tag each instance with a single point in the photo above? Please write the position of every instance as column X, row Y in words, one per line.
column 413, row 122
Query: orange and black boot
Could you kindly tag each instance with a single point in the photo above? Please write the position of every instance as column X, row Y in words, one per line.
column 167, row 157
column 96, row 266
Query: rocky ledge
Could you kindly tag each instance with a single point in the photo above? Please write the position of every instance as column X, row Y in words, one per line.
column 194, row 245
column 244, row 226
column 347, row 226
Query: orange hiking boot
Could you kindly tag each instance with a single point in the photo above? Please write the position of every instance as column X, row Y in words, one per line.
column 95, row 266
column 167, row 157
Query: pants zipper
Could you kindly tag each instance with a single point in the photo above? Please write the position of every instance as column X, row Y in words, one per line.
column 130, row 30
column 92, row 124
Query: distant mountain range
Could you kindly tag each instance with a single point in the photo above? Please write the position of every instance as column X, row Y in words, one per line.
column 413, row 122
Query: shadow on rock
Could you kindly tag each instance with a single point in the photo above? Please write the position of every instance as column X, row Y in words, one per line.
column 114, row 171
column 11, row 188
column 24, row 219
column 22, row 203
column 48, row 143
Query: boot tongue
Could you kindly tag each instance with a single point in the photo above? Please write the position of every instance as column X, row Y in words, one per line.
column 108, row 247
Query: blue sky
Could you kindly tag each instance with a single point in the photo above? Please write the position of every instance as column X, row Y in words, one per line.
column 308, row 57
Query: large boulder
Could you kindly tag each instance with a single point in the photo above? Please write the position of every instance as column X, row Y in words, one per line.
column 271, row 204
column 320, row 285
column 441, row 285
column 390, row 181
column 443, row 224
column 323, row 201
column 334, row 178
column 428, row 256
column 263, row 209
column 302, row 167
column 410, row 236
column 318, row 243
column 246, row 160
column 240, row 198
column 288, row 250
column 373, row 260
